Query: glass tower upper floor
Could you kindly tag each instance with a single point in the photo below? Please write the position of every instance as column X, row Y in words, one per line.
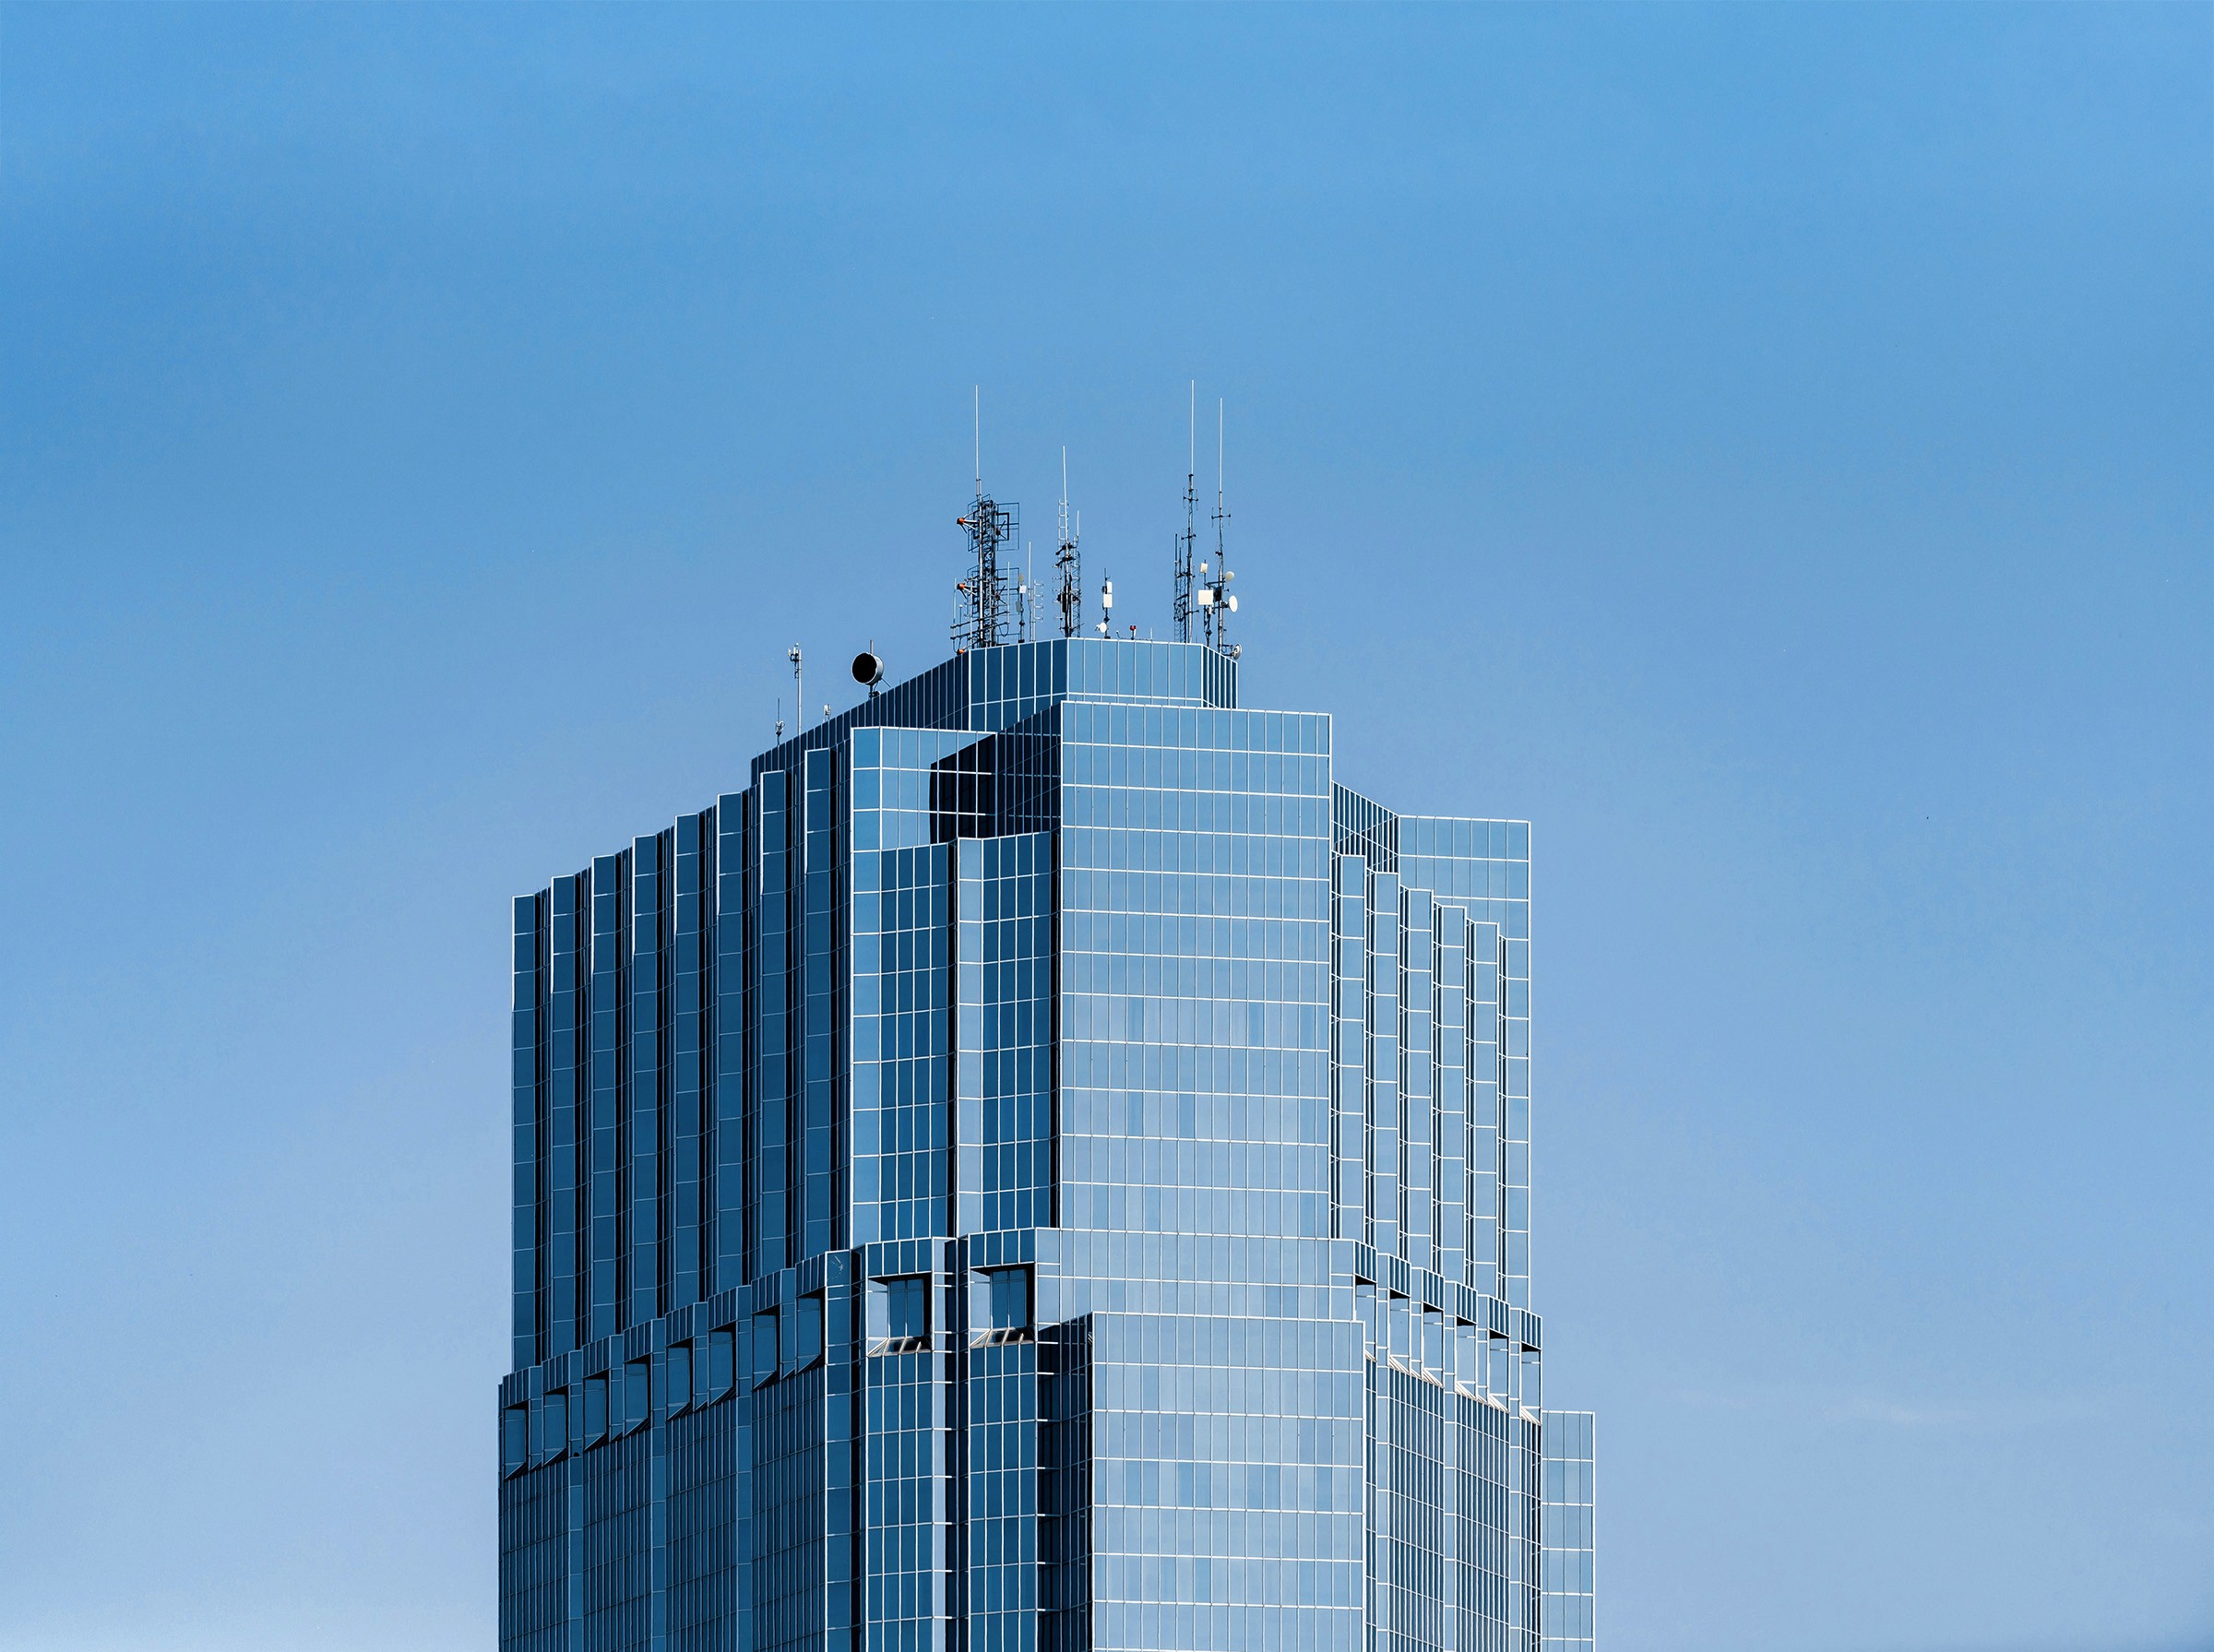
column 1043, row 1165
column 1053, row 934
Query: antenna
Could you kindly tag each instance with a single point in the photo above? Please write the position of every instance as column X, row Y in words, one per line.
column 1216, row 602
column 1106, row 605
column 979, row 618
column 780, row 719
column 1071, row 595
column 976, row 415
column 799, row 697
column 1185, row 541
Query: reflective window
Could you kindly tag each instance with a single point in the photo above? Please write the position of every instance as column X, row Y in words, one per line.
column 553, row 1428
column 899, row 1311
column 804, row 1346
column 1001, row 1301
column 595, row 1409
column 767, row 1358
column 679, row 1375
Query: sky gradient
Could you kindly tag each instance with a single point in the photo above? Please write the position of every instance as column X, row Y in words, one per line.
column 1771, row 449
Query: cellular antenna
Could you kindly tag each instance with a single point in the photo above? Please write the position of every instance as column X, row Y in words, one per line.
column 1215, row 600
column 1187, row 540
column 1070, row 565
column 976, row 414
column 799, row 696
column 979, row 615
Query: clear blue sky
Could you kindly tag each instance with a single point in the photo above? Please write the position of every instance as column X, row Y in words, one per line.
column 1771, row 449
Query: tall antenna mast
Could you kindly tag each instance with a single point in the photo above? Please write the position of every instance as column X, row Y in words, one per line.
column 981, row 617
column 799, row 695
column 1216, row 602
column 1071, row 567
column 1187, row 540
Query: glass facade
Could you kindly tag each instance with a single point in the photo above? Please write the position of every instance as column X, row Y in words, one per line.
column 1041, row 1169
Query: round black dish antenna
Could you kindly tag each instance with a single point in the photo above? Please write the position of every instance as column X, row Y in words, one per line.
column 868, row 669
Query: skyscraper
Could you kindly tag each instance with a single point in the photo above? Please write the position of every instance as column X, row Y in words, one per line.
column 1042, row 1166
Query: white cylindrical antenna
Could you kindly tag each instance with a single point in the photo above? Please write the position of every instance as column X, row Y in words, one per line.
column 977, row 417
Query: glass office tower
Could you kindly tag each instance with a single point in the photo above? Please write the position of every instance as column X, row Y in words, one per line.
column 1041, row 1169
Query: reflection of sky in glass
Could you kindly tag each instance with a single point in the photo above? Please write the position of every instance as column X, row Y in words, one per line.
column 1112, row 1139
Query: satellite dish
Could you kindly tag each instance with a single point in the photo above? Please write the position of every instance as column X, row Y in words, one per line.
column 868, row 669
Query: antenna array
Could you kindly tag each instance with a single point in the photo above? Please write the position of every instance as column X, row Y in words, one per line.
column 980, row 613
column 1215, row 599
column 1070, row 596
column 1185, row 541
column 1029, row 609
column 997, row 604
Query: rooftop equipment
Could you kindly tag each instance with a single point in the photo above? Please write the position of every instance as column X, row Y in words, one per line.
column 982, row 601
column 1070, row 597
column 1187, row 539
column 1217, row 601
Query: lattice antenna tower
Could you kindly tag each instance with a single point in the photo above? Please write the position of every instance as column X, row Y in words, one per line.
column 1186, row 542
column 1068, row 563
column 1217, row 602
column 981, row 612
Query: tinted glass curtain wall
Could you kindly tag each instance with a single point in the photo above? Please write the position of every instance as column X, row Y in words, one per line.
column 1041, row 1167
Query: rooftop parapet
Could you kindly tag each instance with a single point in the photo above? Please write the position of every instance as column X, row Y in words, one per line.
column 984, row 690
